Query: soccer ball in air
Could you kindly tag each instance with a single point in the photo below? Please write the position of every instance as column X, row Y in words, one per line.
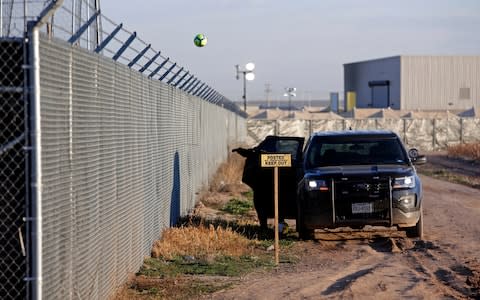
column 200, row 40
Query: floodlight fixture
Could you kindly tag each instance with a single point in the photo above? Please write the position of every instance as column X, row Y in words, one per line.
column 248, row 74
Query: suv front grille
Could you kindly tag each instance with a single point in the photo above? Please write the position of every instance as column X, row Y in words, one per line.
column 362, row 200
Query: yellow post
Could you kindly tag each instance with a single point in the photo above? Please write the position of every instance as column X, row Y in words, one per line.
column 351, row 101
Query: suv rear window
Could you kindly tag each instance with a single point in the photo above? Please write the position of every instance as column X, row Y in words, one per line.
column 334, row 152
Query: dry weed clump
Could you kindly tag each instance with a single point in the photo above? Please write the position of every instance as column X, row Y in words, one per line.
column 465, row 151
column 228, row 174
column 201, row 242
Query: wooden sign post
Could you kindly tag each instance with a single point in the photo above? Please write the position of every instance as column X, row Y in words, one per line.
column 275, row 161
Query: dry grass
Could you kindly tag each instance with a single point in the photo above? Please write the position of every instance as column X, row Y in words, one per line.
column 229, row 175
column 226, row 183
column 201, row 242
column 465, row 151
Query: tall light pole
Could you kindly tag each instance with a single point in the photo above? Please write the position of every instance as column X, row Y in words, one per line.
column 267, row 93
column 247, row 74
column 290, row 92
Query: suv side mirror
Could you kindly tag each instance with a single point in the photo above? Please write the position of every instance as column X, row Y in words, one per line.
column 416, row 158
column 420, row 160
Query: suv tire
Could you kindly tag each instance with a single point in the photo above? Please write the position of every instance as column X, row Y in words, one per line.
column 303, row 233
column 417, row 230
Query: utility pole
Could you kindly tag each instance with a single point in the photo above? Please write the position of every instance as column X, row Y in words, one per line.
column 290, row 92
column 247, row 74
column 268, row 90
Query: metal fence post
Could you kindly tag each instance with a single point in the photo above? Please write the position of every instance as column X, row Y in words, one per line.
column 461, row 131
column 36, row 168
column 35, row 217
column 310, row 127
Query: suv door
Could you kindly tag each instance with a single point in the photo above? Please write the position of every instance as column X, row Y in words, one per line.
column 261, row 179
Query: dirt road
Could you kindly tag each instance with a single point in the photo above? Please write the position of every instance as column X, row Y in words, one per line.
column 444, row 265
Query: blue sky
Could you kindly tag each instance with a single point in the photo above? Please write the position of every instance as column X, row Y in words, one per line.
column 302, row 43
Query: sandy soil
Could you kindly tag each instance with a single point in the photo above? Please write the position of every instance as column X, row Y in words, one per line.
column 385, row 265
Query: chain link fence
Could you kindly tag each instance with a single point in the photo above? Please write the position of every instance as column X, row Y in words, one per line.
column 122, row 159
column 13, row 267
column 104, row 142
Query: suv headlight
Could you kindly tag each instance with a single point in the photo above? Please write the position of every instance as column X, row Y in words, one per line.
column 316, row 185
column 407, row 201
column 404, row 182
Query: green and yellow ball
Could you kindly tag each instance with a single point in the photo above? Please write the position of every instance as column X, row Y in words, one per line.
column 200, row 40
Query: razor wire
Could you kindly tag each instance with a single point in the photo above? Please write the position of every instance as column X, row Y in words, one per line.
column 82, row 23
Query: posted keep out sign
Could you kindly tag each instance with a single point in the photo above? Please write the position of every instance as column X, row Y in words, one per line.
column 276, row 160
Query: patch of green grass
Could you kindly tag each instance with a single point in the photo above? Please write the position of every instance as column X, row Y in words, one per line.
column 238, row 207
column 283, row 243
column 221, row 266
column 440, row 174
column 208, row 288
column 153, row 291
column 248, row 195
column 286, row 244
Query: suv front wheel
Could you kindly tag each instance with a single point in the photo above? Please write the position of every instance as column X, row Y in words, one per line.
column 417, row 230
column 303, row 233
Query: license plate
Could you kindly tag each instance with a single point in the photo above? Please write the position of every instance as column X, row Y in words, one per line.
column 362, row 208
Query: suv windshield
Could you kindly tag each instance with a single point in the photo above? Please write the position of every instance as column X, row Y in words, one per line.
column 333, row 152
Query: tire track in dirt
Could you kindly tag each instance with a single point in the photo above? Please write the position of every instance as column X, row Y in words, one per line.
column 337, row 281
column 440, row 269
column 365, row 269
column 383, row 273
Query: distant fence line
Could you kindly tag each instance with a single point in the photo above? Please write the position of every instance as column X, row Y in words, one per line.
column 424, row 134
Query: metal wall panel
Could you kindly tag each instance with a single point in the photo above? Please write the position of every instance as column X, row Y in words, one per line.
column 358, row 75
column 434, row 82
column 58, row 205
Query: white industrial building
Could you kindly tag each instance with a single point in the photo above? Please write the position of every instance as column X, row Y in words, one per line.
column 415, row 82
